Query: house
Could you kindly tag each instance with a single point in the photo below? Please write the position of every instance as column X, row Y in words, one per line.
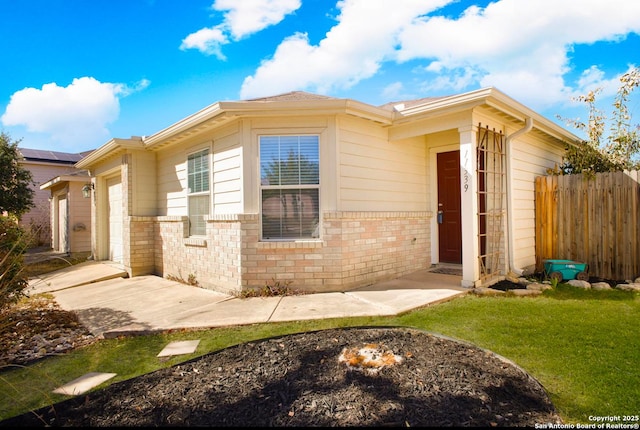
column 70, row 212
column 44, row 165
column 324, row 193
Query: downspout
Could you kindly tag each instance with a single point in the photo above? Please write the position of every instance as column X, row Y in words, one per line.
column 528, row 125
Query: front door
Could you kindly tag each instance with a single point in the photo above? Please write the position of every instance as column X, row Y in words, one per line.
column 62, row 227
column 449, row 216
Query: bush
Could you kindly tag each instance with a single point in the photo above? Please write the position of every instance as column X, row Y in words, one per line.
column 273, row 289
column 13, row 279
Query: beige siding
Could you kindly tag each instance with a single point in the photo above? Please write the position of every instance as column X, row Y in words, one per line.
column 376, row 175
column 431, row 126
column 39, row 217
column 529, row 158
column 227, row 173
column 171, row 182
column 79, row 219
column 226, row 182
column 78, row 223
column 107, row 167
column 144, row 184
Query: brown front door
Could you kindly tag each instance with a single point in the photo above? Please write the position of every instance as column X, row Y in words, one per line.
column 449, row 217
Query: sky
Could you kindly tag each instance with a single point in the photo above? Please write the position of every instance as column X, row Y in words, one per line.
column 77, row 73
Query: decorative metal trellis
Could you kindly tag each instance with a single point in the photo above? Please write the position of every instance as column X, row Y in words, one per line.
column 492, row 200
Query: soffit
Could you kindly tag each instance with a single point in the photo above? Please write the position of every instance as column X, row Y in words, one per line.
column 490, row 101
column 223, row 113
column 108, row 150
column 79, row 176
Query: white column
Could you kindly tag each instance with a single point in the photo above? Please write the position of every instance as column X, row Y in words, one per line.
column 469, row 205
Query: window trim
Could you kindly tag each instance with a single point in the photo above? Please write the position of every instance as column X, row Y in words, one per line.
column 277, row 133
column 207, row 193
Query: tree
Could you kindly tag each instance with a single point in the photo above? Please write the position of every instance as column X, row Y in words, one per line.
column 621, row 151
column 16, row 192
column 624, row 142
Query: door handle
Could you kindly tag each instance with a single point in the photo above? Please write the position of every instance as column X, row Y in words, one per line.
column 440, row 217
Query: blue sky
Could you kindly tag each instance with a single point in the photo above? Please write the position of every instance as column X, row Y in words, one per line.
column 79, row 72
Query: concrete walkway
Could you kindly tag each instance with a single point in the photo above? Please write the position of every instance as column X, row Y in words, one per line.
column 110, row 304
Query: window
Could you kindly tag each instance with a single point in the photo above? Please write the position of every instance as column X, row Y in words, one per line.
column 289, row 187
column 198, row 191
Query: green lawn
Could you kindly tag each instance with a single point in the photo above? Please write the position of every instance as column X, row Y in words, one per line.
column 583, row 346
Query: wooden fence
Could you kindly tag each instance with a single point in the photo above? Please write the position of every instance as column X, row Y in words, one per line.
column 590, row 220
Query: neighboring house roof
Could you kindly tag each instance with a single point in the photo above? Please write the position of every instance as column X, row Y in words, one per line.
column 291, row 96
column 85, row 153
column 76, row 176
column 298, row 103
column 50, row 156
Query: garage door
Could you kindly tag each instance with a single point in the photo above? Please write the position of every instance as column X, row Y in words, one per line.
column 114, row 189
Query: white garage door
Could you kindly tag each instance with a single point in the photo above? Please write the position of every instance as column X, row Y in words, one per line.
column 114, row 189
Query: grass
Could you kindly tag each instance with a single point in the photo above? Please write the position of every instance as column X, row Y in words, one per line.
column 53, row 263
column 582, row 345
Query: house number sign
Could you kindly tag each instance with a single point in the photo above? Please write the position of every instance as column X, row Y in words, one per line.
column 465, row 167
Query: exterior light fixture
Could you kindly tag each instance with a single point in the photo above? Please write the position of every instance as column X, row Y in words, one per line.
column 86, row 190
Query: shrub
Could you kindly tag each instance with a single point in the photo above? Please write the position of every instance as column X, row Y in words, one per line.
column 191, row 280
column 13, row 279
column 275, row 288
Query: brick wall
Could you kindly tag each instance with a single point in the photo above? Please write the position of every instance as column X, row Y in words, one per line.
column 357, row 249
column 213, row 261
column 141, row 258
column 378, row 246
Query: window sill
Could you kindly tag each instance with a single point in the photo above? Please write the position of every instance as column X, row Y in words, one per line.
column 195, row 241
column 298, row 244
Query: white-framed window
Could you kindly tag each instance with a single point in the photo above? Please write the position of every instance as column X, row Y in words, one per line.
column 289, row 187
column 198, row 191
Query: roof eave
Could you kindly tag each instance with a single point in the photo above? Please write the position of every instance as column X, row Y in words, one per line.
column 174, row 130
column 491, row 97
column 221, row 113
column 309, row 107
column 460, row 101
column 517, row 110
column 63, row 178
column 108, row 149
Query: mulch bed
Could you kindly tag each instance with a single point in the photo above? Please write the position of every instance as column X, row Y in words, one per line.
column 411, row 379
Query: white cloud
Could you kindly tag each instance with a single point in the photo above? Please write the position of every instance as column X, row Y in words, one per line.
column 456, row 80
column 241, row 19
column 593, row 78
column 521, row 47
column 207, row 40
column 393, row 91
column 354, row 49
column 77, row 114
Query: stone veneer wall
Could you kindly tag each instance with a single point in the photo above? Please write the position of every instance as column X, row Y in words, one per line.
column 356, row 249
